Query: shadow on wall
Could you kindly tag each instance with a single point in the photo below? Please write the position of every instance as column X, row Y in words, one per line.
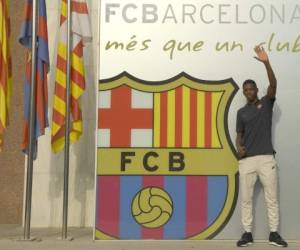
column 276, row 118
column 82, row 153
column 85, row 150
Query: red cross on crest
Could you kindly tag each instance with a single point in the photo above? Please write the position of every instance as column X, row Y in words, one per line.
column 121, row 118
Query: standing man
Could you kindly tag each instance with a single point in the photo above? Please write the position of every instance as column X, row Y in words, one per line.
column 255, row 149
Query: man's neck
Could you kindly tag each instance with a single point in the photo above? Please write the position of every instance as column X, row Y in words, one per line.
column 254, row 101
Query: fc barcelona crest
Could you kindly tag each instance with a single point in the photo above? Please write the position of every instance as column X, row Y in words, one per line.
column 166, row 167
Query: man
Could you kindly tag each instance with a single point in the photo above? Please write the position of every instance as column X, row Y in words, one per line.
column 255, row 149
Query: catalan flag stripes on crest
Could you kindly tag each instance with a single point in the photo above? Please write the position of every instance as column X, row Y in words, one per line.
column 81, row 33
column 42, row 64
column 5, row 67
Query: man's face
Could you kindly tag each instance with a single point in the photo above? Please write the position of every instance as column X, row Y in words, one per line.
column 250, row 92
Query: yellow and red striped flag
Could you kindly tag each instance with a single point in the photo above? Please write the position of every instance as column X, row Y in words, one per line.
column 5, row 67
column 81, row 34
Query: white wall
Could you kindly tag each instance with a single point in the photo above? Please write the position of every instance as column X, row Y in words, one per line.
column 206, row 64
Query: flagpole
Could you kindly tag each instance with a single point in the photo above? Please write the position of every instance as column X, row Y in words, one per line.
column 67, row 122
column 32, row 117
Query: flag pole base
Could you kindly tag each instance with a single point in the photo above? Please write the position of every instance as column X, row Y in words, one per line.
column 29, row 240
column 67, row 239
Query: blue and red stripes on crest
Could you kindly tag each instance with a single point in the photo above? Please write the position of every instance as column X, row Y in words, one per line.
column 193, row 211
column 41, row 121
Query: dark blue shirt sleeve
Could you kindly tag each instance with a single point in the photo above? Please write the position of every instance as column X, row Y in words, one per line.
column 269, row 102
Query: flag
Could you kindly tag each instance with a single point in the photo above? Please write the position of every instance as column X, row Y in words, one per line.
column 42, row 64
column 5, row 67
column 81, row 34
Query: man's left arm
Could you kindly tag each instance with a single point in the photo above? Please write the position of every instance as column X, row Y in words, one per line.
column 263, row 57
column 272, row 80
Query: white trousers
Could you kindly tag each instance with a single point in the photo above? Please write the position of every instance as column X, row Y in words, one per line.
column 264, row 167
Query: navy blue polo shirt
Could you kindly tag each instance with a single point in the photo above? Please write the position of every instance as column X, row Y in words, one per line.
column 254, row 121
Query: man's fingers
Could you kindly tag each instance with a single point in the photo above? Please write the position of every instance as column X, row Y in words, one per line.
column 259, row 49
column 242, row 153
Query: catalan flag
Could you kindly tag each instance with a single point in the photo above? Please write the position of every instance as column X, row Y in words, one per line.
column 5, row 67
column 185, row 117
column 81, row 33
column 41, row 119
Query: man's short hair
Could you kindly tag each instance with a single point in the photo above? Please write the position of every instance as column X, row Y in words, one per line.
column 249, row 81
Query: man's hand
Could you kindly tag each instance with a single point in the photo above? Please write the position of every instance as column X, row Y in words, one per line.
column 261, row 55
column 241, row 151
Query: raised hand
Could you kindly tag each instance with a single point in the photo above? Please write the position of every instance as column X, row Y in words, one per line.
column 261, row 55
